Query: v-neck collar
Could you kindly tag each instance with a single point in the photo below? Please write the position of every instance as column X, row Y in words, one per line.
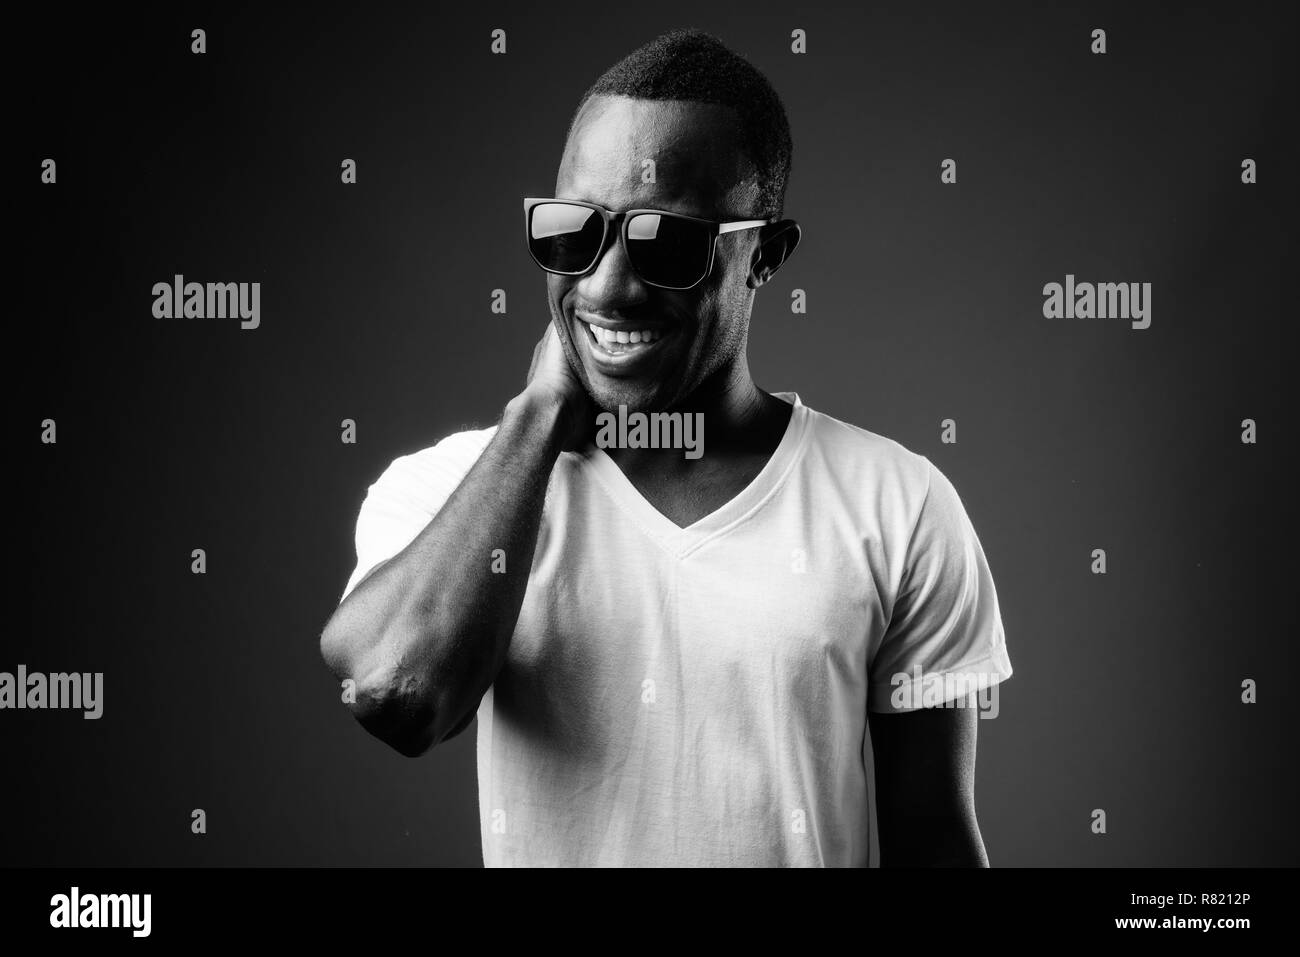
column 679, row 541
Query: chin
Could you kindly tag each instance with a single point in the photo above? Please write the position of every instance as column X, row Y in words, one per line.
column 650, row 397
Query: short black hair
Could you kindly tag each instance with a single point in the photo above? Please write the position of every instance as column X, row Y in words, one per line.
column 696, row 66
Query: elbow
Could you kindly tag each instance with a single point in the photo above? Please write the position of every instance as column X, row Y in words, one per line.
column 407, row 730
column 334, row 651
column 392, row 703
column 398, row 710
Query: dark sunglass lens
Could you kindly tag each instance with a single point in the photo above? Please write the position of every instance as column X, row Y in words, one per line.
column 667, row 250
column 564, row 237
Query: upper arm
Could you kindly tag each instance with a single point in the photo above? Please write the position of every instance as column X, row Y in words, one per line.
column 938, row 662
column 925, row 787
column 945, row 630
column 406, row 497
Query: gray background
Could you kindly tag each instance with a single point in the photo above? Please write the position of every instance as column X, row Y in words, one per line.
column 924, row 303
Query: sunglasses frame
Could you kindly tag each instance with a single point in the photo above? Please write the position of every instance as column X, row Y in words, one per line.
column 610, row 217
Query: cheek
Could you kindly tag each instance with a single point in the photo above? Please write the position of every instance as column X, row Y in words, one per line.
column 714, row 329
column 555, row 293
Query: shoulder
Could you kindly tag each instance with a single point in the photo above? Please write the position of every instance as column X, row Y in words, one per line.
column 890, row 492
column 864, row 456
column 909, row 496
column 453, row 455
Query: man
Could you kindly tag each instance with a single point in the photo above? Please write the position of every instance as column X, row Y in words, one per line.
column 675, row 660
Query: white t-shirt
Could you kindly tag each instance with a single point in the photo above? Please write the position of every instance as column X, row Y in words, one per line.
column 698, row 696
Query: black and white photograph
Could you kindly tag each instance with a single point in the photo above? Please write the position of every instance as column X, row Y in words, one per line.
column 685, row 436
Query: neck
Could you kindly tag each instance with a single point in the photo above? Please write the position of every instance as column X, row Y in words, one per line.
column 739, row 418
column 732, row 405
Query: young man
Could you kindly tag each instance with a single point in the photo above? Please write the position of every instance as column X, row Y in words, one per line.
column 675, row 659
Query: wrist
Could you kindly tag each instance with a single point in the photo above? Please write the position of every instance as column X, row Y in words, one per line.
column 536, row 414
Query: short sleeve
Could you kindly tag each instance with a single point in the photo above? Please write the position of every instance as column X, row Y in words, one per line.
column 945, row 638
column 406, row 497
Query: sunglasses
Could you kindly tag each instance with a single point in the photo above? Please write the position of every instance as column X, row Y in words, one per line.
column 567, row 237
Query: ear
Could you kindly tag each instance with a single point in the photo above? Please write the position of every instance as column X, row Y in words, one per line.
column 776, row 244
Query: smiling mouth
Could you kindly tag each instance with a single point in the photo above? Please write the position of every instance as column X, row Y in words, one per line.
column 623, row 348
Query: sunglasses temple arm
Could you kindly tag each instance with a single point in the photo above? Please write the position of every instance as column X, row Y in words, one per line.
column 744, row 224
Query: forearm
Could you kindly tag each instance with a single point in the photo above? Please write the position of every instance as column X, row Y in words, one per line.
column 930, row 840
column 424, row 636
column 925, row 788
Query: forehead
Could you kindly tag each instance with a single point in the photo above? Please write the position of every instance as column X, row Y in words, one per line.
column 699, row 167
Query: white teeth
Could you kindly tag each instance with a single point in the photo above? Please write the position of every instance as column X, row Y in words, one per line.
column 609, row 336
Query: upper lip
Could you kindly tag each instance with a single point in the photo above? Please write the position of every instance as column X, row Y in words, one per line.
column 619, row 325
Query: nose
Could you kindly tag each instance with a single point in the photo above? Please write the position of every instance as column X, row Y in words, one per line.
column 613, row 284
